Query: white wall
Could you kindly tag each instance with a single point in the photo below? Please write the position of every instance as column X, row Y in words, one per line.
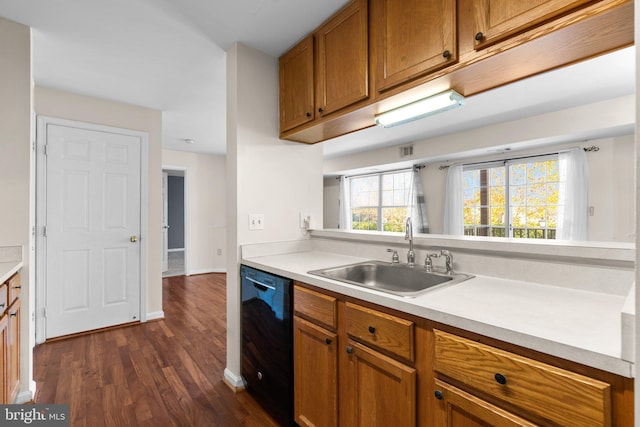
column 65, row 105
column 265, row 175
column 611, row 169
column 205, row 196
column 16, row 184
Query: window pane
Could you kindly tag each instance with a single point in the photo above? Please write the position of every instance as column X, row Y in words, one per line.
column 394, row 219
column 364, row 219
column 364, row 191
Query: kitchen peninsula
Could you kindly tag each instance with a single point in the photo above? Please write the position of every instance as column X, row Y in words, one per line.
column 557, row 304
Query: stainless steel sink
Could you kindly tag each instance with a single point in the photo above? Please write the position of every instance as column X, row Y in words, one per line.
column 398, row 279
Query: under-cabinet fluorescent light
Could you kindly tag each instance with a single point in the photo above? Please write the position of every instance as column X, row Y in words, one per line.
column 417, row 110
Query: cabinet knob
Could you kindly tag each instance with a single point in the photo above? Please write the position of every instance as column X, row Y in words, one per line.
column 349, row 349
column 308, row 114
column 501, row 379
column 446, row 54
column 439, row 395
column 479, row 36
column 320, row 110
column 328, row 341
column 372, row 330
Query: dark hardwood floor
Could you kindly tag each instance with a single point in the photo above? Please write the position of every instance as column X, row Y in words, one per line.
column 161, row 373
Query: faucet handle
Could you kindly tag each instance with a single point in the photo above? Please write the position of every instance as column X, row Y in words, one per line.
column 428, row 262
column 395, row 259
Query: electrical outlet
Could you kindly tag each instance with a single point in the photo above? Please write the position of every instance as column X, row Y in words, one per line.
column 219, row 251
column 256, row 221
column 305, row 221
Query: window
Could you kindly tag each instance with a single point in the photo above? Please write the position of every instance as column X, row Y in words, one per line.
column 516, row 198
column 379, row 202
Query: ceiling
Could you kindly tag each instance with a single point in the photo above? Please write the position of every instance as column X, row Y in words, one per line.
column 170, row 55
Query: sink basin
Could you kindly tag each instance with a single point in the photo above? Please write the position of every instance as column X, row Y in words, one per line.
column 398, row 279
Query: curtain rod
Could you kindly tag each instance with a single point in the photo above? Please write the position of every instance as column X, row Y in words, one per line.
column 381, row 172
column 586, row 149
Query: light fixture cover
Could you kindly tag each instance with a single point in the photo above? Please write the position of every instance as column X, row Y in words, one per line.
column 419, row 109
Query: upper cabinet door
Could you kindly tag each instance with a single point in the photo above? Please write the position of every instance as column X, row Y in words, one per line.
column 495, row 20
column 343, row 59
column 296, row 85
column 412, row 38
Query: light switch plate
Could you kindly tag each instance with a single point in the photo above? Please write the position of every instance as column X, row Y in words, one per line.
column 256, row 221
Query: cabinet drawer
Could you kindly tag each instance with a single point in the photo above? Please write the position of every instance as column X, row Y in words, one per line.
column 561, row 396
column 381, row 330
column 4, row 297
column 315, row 306
column 14, row 285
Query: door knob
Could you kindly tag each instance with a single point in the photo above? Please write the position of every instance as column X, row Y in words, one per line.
column 133, row 239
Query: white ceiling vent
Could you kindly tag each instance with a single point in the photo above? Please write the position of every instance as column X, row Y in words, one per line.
column 406, row 151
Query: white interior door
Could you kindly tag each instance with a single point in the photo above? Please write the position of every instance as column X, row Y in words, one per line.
column 165, row 221
column 92, row 229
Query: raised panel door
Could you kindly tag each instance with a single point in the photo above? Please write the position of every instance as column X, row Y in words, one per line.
column 315, row 375
column 296, row 85
column 13, row 338
column 496, row 20
column 457, row 408
column 343, row 59
column 4, row 359
column 412, row 38
column 378, row 390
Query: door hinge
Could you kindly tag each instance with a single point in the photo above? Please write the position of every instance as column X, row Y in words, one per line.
column 46, row 151
column 44, row 231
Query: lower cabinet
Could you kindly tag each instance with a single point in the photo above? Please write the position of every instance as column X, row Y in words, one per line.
column 357, row 364
column 379, row 391
column 315, row 374
column 10, row 317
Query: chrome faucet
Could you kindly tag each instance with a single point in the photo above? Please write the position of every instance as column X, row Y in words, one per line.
column 428, row 262
column 448, row 261
column 411, row 255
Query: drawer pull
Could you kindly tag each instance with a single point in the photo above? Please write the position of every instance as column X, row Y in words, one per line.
column 328, row 341
column 2, row 305
column 14, row 314
column 438, row 395
column 372, row 330
column 349, row 349
column 17, row 287
column 501, row 379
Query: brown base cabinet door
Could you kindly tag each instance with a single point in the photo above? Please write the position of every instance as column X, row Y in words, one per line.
column 457, row 408
column 4, row 358
column 378, row 391
column 315, row 375
column 14, row 349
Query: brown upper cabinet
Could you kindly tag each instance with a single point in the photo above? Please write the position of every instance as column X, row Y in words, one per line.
column 315, row 82
column 343, row 59
column 411, row 39
column 296, row 85
column 496, row 20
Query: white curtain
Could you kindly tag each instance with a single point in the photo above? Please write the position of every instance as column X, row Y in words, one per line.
column 416, row 208
column 344, row 221
column 453, row 207
column 573, row 197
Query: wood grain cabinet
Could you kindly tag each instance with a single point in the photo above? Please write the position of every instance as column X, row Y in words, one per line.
column 343, row 59
column 328, row 70
column 496, row 20
column 10, row 317
column 377, row 389
column 411, row 39
column 315, row 350
column 296, row 85
column 498, row 383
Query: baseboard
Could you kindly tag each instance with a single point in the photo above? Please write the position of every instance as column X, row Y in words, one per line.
column 155, row 315
column 235, row 382
column 24, row 397
column 207, row 270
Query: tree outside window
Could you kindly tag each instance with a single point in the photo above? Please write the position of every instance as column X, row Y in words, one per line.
column 518, row 199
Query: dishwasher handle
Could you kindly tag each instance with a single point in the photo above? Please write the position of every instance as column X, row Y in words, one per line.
column 260, row 285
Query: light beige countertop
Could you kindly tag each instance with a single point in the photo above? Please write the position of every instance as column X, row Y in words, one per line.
column 578, row 325
column 8, row 269
column 10, row 261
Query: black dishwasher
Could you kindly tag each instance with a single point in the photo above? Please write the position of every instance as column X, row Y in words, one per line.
column 267, row 341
